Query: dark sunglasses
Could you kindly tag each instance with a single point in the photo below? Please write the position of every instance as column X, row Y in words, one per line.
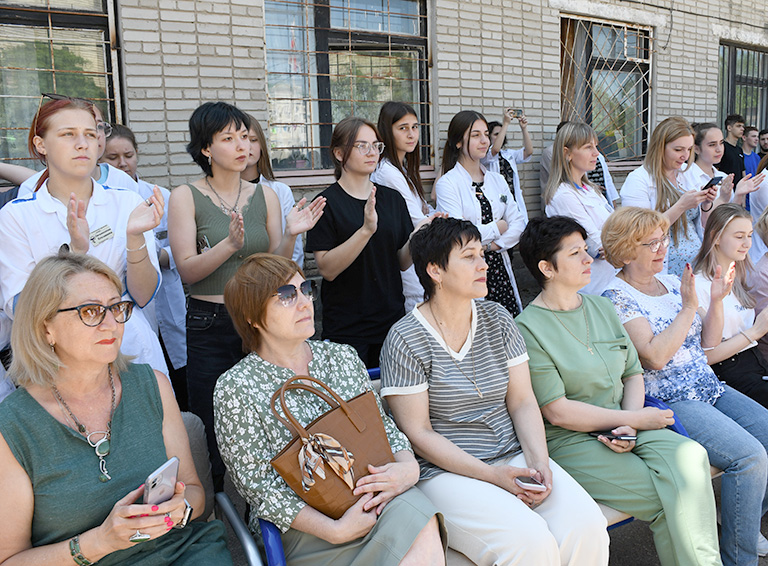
column 93, row 314
column 287, row 293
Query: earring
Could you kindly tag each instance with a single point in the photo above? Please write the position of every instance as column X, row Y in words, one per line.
column 52, row 348
column 209, row 160
column 439, row 284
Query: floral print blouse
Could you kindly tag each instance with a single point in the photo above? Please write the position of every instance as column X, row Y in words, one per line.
column 687, row 376
column 249, row 435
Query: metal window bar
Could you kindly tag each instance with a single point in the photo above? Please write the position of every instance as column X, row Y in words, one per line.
column 325, row 61
column 606, row 82
column 743, row 84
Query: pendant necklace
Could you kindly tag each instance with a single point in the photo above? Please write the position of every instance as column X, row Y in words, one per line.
column 225, row 208
column 471, row 353
column 586, row 323
column 100, row 446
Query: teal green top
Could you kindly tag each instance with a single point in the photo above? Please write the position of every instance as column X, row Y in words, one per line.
column 561, row 366
column 214, row 225
column 64, row 469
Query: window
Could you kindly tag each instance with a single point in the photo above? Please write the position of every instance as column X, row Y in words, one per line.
column 59, row 46
column 328, row 59
column 605, row 70
column 743, row 84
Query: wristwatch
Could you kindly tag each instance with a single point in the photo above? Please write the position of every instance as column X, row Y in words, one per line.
column 489, row 247
column 185, row 519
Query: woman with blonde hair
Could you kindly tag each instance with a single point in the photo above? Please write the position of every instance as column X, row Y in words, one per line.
column 658, row 185
column 735, row 360
column 570, row 193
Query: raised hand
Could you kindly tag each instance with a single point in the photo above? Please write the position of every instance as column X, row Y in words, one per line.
column 77, row 225
column 236, row 235
column 371, row 220
column 147, row 215
column 749, row 184
column 688, row 289
column 722, row 283
column 303, row 218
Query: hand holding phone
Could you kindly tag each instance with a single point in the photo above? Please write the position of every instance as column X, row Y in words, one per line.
column 530, row 484
column 712, row 182
column 161, row 484
column 610, row 436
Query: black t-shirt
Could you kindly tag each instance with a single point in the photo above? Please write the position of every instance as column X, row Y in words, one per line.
column 732, row 162
column 366, row 299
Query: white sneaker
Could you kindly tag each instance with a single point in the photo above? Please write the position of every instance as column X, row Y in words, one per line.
column 762, row 545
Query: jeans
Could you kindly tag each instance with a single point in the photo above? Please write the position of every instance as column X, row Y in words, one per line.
column 735, row 434
column 213, row 346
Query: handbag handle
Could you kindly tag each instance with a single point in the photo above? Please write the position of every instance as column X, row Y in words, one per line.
column 290, row 383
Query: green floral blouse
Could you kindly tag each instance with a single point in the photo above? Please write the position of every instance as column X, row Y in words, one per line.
column 249, row 435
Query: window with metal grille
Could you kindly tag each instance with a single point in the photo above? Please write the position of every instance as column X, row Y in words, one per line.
column 329, row 59
column 605, row 81
column 52, row 46
column 743, row 84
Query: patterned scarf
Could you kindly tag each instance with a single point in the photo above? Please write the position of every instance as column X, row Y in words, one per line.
column 320, row 448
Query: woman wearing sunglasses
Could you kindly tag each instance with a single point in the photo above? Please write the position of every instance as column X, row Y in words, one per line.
column 392, row 523
column 85, row 429
column 71, row 209
column 360, row 244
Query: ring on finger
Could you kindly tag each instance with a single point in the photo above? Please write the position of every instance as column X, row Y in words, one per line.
column 148, row 202
column 138, row 536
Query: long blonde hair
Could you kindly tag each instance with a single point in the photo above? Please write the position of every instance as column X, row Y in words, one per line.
column 666, row 193
column 572, row 136
column 706, row 262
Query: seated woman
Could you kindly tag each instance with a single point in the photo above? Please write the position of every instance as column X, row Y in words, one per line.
column 661, row 315
column 587, row 377
column 736, row 360
column 85, row 429
column 392, row 523
column 455, row 374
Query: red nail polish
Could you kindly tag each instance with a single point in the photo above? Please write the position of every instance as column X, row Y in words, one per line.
column 144, row 515
column 155, row 508
column 142, row 485
column 168, row 528
column 183, row 484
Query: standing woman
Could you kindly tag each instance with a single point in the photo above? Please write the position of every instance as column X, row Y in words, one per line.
column 658, row 185
column 735, row 360
column 215, row 223
column 70, row 208
column 467, row 190
column 259, row 170
column 360, row 244
column 399, row 170
column 570, row 193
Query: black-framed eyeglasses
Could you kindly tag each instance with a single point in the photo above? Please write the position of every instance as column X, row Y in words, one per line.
column 655, row 245
column 93, row 314
column 366, row 147
column 287, row 293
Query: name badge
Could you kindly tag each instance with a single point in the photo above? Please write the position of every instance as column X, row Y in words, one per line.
column 101, row 235
column 161, row 235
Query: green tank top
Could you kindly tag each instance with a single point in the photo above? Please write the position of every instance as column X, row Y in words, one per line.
column 213, row 226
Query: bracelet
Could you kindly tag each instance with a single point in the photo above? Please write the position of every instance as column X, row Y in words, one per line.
column 144, row 245
column 744, row 334
column 708, row 209
column 138, row 260
column 77, row 555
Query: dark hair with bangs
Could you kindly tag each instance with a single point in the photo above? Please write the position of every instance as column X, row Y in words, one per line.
column 206, row 121
column 434, row 242
column 343, row 137
column 542, row 239
column 390, row 113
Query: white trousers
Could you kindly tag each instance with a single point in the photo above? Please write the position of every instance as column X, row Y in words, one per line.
column 492, row 527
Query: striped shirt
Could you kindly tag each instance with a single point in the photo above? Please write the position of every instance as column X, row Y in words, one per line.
column 415, row 358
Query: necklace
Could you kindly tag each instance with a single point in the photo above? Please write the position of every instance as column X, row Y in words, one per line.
column 471, row 353
column 225, row 208
column 586, row 323
column 100, row 446
column 657, row 291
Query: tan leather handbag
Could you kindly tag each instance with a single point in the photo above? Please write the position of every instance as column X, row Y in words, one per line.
column 325, row 459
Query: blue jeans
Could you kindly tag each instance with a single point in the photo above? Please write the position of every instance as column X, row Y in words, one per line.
column 735, row 434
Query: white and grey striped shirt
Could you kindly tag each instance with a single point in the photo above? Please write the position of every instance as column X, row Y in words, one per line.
column 415, row 358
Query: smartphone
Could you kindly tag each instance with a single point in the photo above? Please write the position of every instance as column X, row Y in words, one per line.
column 161, row 484
column 712, row 182
column 610, row 436
column 530, row 484
column 516, row 112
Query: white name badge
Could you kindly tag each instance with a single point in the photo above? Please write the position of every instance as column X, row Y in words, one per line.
column 101, row 235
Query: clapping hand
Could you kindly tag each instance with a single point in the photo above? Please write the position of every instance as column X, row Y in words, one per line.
column 147, row 215
column 303, row 218
column 722, row 283
column 77, row 225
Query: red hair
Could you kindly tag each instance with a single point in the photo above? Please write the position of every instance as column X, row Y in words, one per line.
column 41, row 123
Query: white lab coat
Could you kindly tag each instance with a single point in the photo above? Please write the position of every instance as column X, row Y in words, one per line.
column 513, row 157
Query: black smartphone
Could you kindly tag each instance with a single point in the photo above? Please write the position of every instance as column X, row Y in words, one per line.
column 712, row 182
column 610, row 436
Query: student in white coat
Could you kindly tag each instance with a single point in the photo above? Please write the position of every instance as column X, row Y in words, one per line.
column 501, row 159
column 399, row 169
column 467, row 190
column 113, row 225
column 167, row 313
column 259, row 170
column 571, row 193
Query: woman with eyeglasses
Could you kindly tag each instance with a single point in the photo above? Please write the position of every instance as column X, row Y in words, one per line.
column 672, row 330
column 736, row 360
column 84, row 431
column 70, row 209
column 392, row 523
column 467, row 190
column 360, row 244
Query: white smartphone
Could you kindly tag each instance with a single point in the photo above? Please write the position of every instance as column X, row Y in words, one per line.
column 161, row 484
column 530, row 484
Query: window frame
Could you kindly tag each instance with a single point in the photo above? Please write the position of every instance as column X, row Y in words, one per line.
column 726, row 90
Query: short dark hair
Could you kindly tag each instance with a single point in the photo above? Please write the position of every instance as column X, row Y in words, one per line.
column 542, row 239
column 732, row 119
column 343, row 137
column 763, row 132
column 748, row 129
column 206, row 121
column 434, row 242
